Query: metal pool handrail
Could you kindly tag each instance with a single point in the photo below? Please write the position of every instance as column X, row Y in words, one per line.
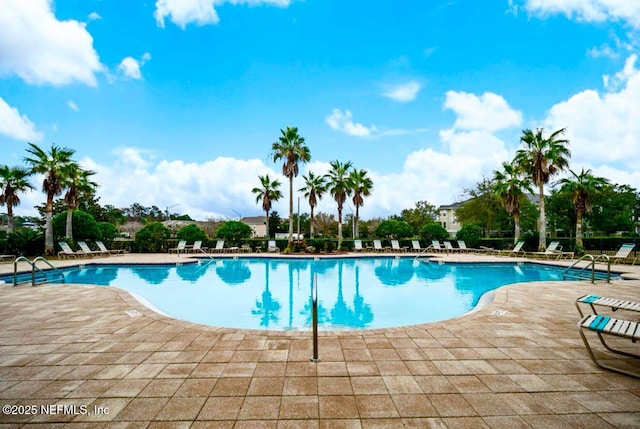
column 34, row 267
column 592, row 264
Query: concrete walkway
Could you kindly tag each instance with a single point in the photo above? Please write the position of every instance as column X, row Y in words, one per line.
column 79, row 356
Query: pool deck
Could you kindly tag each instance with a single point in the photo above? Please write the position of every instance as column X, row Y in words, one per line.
column 519, row 362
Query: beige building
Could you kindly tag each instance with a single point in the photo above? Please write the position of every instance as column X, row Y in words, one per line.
column 447, row 217
column 257, row 225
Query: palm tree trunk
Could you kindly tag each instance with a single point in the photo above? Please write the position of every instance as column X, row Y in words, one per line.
column 311, row 224
column 516, row 228
column 9, row 218
column 48, row 234
column 356, row 232
column 339, row 227
column 69, row 226
column 290, row 209
column 266, row 223
column 579, row 229
column 542, row 222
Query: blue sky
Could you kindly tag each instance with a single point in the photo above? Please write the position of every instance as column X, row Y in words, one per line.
column 176, row 102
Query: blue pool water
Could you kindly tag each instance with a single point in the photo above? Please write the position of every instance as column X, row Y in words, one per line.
column 353, row 293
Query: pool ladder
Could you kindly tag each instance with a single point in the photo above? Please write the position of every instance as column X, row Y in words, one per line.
column 592, row 264
column 34, row 268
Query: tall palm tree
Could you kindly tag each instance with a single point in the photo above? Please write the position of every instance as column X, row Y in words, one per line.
column 78, row 182
column 292, row 149
column 52, row 164
column 267, row 193
column 12, row 181
column 541, row 159
column 361, row 186
column 509, row 186
column 313, row 189
column 582, row 187
column 339, row 186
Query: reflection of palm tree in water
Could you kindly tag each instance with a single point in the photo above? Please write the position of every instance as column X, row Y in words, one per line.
column 308, row 307
column 268, row 307
column 341, row 314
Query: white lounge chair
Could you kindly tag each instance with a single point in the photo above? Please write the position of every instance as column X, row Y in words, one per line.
column 219, row 247
column 436, row 247
column 554, row 249
column 87, row 250
column 273, row 247
column 623, row 253
column 449, row 247
column 67, row 251
column 517, row 250
column 197, row 247
column 357, row 245
column 9, row 258
column 415, row 246
column 181, row 247
column 395, row 246
column 377, row 246
column 104, row 248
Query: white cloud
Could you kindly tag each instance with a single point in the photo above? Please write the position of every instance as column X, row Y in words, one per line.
column 15, row 125
column 130, row 67
column 403, row 93
column 488, row 112
column 340, row 121
column 589, row 10
column 94, row 16
column 40, row 49
column 73, row 106
column 200, row 12
column 604, row 129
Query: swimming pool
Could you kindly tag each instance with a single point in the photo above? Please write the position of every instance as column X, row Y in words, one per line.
column 275, row 293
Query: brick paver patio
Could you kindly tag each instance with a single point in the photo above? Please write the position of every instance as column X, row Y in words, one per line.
column 75, row 357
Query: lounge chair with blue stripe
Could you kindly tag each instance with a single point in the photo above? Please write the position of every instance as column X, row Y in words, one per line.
column 614, row 304
column 623, row 253
column 605, row 325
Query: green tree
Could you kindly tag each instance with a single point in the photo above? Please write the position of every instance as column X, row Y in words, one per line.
column 292, row 149
column 77, row 182
column 339, row 187
column 52, row 164
column 267, row 193
column 510, row 186
column 152, row 237
column 433, row 231
column 233, row 232
column 361, row 186
column 394, row 229
column 483, row 209
column 614, row 209
column 191, row 233
column 422, row 213
column 275, row 224
column 542, row 158
column 470, row 234
column 84, row 225
column 13, row 180
column 561, row 213
column 582, row 187
column 313, row 190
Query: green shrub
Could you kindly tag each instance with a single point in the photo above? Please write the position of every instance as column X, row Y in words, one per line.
column 191, row 233
column 108, row 231
column 84, row 226
column 433, row 231
column 394, row 229
column 234, row 232
column 471, row 234
column 152, row 237
column 25, row 241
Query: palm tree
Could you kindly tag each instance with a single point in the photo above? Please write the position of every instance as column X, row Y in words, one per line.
column 290, row 147
column 12, row 181
column 509, row 186
column 267, row 193
column 77, row 181
column 314, row 188
column 582, row 187
column 541, row 159
column 361, row 186
column 339, row 186
column 52, row 164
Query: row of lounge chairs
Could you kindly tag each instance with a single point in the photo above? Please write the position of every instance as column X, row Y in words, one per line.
column 197, row 247
column 85, row 251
